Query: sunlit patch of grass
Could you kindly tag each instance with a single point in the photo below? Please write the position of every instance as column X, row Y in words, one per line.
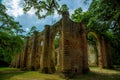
column 7, row 69
column 16, row 74
column 104, row 71
column 99, row 74
column 33, row 75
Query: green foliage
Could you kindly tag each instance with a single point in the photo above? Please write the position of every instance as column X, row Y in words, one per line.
column 63, row 8
column 46, row 6
column 30, row 33
column 77, row 16
column 80, row 16
column 57, row 42
column 99, row 16
column 91, row 39
column 9, row 46
column 11, row 41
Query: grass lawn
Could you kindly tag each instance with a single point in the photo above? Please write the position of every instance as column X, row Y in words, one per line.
column 94, row 74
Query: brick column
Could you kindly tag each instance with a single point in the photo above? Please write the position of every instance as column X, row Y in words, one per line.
column 66, row 60
column 46, row 55
column 25, row 60
column 84, row 48
column 35, row 52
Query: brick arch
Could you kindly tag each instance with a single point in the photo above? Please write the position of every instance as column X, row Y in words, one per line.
column 98, row 46
column 103, row 48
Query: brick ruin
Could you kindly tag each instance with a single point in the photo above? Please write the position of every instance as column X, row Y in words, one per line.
column 72, row 55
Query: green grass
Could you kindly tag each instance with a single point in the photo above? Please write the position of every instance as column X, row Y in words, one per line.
column 16, row 74
column 99, row 74
column 94, row 74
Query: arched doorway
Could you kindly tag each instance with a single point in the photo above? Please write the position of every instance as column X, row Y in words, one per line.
column 94, row 50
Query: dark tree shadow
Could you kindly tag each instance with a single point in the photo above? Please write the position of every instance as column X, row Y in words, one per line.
column 96, row 76
column 8, row 73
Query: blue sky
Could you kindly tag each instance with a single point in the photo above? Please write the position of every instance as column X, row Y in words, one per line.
column 15, row 9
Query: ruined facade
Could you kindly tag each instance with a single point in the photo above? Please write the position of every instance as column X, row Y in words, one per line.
column 72, row 56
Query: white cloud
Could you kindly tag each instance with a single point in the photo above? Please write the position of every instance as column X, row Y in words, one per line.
column 28, row 20
column 27, row 29
column 14, row 7
column 56, row 15
column 31, row 12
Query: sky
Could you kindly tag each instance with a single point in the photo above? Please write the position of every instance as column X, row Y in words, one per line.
column 15, row 9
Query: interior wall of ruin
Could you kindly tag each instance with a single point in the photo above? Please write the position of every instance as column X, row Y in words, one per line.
column 92, row 55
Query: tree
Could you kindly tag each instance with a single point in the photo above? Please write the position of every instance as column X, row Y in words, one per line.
column 9, row 46
column 11, row 41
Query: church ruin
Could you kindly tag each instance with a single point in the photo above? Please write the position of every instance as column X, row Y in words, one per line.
column 72, row 55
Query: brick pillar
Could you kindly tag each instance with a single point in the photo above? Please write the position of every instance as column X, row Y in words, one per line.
column 26, row 54
column 103, row 51
column 38, row 53
column 84, row 48
column 106, row 53
column 35, row 52
column 46, row 55
column 22, row 58
column 109, row 57
column 37, row 56
column 52, row 52
column 29, row 54
column 100, row 55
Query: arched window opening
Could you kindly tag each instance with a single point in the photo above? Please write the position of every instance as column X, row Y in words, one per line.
column 56, row 48
column 92, row 50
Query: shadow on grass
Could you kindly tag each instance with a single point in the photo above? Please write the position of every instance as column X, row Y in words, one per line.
column 92, row 75
column 7, row 73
